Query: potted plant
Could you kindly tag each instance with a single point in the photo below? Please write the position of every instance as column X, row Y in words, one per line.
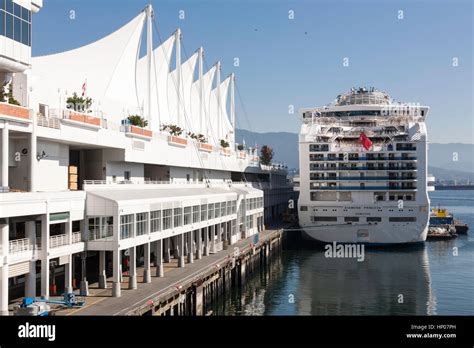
column 79, row 104
column 224, row 144
column 137, row 120
column 6, row 95
column 172, row 129
column 240, row 147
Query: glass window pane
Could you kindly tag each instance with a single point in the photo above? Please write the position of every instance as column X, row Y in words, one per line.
column 16, row 10
column 2, row 22
column 25, row 31
column 9, row 25
column 9, row 6
column 25, row 15
column 17, row 29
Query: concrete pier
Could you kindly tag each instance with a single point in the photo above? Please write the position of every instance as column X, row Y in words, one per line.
column 189, row 290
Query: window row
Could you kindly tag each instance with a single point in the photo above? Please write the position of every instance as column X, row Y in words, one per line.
column 169, row 218
column 15, row 28
column 254, row 203
column 350, row 219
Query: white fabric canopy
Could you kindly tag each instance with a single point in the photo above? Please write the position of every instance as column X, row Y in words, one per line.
column 108, row 65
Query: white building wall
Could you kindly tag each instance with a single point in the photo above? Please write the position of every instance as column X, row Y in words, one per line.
column 118, row 170
column 52, row 171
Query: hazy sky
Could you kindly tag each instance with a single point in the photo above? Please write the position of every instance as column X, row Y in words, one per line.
column 299, row 61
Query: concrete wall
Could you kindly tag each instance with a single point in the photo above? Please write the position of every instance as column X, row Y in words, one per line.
column 52, row 171
column 118, row 169
column 19, row 170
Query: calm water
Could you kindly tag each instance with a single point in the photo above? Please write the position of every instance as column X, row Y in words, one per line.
column 431, row 279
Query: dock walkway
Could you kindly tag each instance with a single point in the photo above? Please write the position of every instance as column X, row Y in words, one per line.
column 101, row 302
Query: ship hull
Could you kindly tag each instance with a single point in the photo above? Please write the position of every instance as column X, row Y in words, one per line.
column 380, row 234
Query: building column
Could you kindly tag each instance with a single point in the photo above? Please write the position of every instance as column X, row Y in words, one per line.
column 213, row 237
column 84, row 286
column 33, row 152
column 206, row 240
column 132, row 277
column 5, row 151
column 199, row 243
column 68, row 276
column 102, row 272
column 4, row 273
column 30, row 278
column 116, row 285
column 146, row 266
column 166, row 247
column 180, row 249
column 159, row 258
column 190, row 239
column 45, row 258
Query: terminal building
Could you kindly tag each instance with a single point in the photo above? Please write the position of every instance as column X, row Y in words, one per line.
column 84, row 188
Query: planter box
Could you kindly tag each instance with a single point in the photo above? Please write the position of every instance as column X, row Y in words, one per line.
column 225, row 151
column 177, row 141
column 14, row 111
column 242, row 154
column 82, row 118
column 205, row 147
column 139, row 132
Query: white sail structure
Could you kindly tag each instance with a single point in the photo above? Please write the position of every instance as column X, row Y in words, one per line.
column 202, row 126
column 159, row 85
column 106, row 67
column 219, row 120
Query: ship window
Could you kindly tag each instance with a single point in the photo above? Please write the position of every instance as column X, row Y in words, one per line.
column 402, row 219
column 217, row 209
column 203, row 212
column 9, row 6
column 323, row 218
column 374, row 219
column 126, row 175
column 351, row 219
column 304, row 208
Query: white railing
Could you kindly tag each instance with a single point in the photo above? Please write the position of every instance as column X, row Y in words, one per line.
column 76, row 237
column 58, row 241
column 49, row 122
column 19, row 245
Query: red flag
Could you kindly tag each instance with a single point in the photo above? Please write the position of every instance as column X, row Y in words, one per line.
column 366, row 142
column 84, row 87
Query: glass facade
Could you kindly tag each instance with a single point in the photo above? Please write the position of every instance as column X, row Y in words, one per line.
column 15, row 22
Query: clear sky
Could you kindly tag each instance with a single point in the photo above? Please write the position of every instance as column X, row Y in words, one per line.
column 299, row 61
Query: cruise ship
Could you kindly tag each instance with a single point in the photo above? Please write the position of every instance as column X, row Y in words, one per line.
column 109, row 155
column 363, row 170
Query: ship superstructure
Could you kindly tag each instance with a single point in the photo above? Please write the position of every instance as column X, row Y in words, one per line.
column 363, row 170
column 82, row 184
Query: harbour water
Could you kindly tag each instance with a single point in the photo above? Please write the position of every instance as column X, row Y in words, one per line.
column 435, row 278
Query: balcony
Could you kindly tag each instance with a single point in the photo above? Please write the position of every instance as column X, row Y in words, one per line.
column 18, row 246
column 76, row 237
column 15, row 112
column 205, row 147
column 58, row 241
column 365, row 178
column 138, row 132
column 177, row 141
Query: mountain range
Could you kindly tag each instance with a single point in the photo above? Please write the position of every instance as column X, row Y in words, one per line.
column 454, row 161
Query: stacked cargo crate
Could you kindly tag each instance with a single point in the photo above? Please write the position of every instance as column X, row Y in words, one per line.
column 73, row 178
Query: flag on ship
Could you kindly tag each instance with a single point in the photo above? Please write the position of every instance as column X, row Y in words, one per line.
column 365, row 141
